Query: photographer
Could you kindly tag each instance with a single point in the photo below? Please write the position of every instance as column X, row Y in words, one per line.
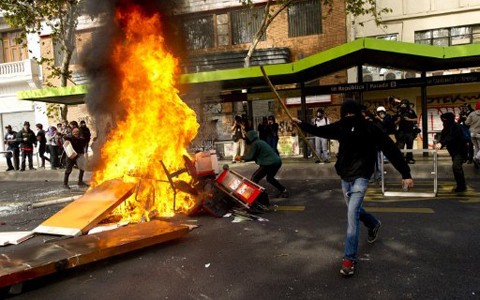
column 406, row 121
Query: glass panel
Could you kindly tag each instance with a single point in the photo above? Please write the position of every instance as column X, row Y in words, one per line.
column 440, row 42
column 245, row 23
column 422, row 35
column 461, row 31
column 388, row 37
column 440, row 33
column 305, row 18
column 199, row 32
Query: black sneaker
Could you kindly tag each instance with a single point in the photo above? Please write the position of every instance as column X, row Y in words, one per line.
column 82, row 184
column 66, row 187
column 348, row 268
column 283, row 194
column 373, row 233
column 459, row 189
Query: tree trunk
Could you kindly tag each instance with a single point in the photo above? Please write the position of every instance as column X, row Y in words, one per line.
column 267, row 20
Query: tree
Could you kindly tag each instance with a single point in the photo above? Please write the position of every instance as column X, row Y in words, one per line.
column 353, row 7
column 59, row 16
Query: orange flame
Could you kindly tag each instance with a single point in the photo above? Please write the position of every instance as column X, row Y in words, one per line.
column 158, row 125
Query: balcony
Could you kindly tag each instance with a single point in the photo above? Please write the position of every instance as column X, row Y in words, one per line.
column 23, row 74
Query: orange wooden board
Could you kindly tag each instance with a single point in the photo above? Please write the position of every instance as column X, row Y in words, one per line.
column 84, row 213
column 40, row 260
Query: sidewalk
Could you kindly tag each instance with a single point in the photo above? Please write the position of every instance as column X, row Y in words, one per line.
column 293, row 168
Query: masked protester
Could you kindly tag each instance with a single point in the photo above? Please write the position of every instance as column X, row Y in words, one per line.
column 451, row 137
column 358, row 140
column 268, row 160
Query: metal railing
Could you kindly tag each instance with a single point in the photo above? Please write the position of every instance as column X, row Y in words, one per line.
column 406, row 193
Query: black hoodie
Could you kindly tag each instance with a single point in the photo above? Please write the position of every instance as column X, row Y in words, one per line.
column 452, row 136
column 359, row 141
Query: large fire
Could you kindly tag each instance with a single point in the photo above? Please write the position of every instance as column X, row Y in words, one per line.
column 158, row 125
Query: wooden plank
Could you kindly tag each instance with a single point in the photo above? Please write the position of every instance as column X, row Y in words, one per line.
column 84, row 213
column 40, row 260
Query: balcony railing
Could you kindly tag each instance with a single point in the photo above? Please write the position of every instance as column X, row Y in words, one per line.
column 25, row 71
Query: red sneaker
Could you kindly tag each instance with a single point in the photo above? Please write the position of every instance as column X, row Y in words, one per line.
column 348, row 268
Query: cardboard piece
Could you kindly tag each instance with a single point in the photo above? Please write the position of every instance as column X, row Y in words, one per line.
column 87, row 211
column 40, row 260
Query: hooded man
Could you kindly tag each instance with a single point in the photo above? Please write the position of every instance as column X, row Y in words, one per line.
column 268, row 160
column 359, row 141
column 473, row 122
column 451, row 137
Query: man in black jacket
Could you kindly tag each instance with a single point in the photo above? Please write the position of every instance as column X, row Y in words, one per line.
column 452, row 138
column 27, row 139
column 359, row 141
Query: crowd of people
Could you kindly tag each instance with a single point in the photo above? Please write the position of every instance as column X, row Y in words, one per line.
column 50, row 144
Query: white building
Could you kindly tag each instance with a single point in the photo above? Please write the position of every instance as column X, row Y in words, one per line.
column 434, row 22
column 19, row 71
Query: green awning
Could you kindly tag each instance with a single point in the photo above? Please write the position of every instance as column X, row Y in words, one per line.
column 62, row 95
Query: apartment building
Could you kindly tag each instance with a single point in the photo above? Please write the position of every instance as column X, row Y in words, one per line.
column 18, row 71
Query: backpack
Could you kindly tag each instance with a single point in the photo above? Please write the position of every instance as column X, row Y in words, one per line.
column 466, row 136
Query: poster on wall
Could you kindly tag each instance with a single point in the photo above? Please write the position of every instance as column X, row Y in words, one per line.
column 288, row 146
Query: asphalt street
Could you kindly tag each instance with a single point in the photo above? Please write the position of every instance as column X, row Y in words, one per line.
column 427, row 249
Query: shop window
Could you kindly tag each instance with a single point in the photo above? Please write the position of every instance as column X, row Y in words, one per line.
column 305, row 18
column 199, row 32
column 245, row 24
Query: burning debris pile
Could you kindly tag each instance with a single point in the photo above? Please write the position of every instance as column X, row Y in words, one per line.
column 133, row 87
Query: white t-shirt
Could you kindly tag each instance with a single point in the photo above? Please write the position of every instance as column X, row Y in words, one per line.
column 320, row 122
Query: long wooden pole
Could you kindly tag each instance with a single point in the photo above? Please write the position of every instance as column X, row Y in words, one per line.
column 300, row 132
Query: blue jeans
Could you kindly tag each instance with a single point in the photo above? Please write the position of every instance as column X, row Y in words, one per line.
column 354, row 192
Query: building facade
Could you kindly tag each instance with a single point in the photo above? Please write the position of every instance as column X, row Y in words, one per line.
column 431, row 22
column 218, row 34
column 18, row 71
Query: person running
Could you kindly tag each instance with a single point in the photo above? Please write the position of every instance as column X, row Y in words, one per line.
column 268, row 160
column 359, row 141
